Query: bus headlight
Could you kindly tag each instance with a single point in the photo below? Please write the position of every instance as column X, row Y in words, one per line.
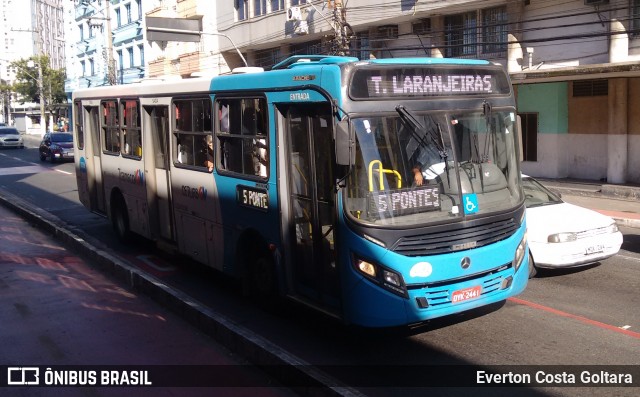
column 386, row 278
column 517, row 260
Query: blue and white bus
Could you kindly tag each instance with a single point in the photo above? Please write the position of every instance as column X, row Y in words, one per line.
column 382, row 192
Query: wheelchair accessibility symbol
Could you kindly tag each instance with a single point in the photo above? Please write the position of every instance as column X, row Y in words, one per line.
column 470, row 203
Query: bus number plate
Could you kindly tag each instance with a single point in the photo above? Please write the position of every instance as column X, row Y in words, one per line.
column 466, row 294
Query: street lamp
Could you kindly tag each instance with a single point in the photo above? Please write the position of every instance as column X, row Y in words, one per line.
column 43, row 117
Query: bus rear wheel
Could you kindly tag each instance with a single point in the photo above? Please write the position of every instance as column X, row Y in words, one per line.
column 120, row 219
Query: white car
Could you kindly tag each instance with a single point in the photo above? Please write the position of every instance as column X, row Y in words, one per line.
column 565, row 235
column 10, row 137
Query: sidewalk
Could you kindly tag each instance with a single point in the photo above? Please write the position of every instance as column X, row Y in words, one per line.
column 58, row 311
column 620, row 202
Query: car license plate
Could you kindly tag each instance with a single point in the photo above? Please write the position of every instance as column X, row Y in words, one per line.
column 594, row 249
column 466, row 294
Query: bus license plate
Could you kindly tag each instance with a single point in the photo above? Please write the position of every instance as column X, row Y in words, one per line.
column 594, row 249
column 466, row 294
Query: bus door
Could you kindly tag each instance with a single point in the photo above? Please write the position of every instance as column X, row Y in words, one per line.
column 157, row 162
column 311, row 205
column 96, row 186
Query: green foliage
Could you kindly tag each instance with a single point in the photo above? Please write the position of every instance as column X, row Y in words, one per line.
column 26, row 83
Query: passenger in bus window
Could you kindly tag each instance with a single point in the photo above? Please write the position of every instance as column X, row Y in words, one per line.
column 208, row 153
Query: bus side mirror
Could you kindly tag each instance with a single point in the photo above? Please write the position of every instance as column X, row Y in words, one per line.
column 345, row 155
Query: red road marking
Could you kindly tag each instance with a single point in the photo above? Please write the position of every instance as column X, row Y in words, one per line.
column 575, row 317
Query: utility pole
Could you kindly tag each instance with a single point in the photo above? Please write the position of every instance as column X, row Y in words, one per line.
column 111, row 67
column 43, row 116
column 341, row 27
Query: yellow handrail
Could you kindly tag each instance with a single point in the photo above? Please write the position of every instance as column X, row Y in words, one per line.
column 381, row 171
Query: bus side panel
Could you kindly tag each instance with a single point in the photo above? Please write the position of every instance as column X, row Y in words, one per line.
column 197, row 215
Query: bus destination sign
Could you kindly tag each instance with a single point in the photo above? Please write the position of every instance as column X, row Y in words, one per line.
column 403, row 201
column 252, row 197
column 426, row 82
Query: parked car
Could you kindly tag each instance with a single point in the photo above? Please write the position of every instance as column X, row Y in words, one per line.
column 56, row 146
column 11, row 137
column 564, row 235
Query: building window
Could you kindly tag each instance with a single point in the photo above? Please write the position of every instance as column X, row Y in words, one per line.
column 81, row 31
column 277, row 5
column 120, row 59
column 591, row 88
column 494, row 29
column 635, row 17
column 242, row 9
column 259, row 7
column 90, row 30
column 127, row 9
column 461, row 34
column 267, row 58
column 139, row 7
column 361, row 46
column 118, row 18
column 529, row 136
column 131, row 60
column 83, row 68
column 92, row 67
column 141, row 51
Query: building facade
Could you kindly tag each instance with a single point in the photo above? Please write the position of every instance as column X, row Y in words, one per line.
column 28, row 28
column 575, row 64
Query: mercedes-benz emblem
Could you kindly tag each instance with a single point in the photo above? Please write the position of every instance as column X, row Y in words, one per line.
column 465, row 262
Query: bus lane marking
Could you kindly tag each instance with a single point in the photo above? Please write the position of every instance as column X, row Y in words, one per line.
column 588, row 321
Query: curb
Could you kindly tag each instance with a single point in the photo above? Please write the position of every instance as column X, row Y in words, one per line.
column 275, row 361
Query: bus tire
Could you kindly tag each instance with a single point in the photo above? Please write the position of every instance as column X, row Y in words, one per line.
column 260, row 279
column 120, row 219
column 533, row 270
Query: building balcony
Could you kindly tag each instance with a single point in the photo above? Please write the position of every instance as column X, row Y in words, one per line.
column 156, row 67
column 190, row 62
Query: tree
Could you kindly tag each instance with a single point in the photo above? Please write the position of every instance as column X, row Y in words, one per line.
column 26, row 83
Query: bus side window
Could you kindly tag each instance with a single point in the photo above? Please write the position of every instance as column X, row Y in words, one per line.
column 241, row 136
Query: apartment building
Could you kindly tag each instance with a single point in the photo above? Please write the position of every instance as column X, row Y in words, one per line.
column 28, row 28
column 575, row 64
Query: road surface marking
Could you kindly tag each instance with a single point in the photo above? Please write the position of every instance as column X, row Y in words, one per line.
column 576, row 317
column 33, row 169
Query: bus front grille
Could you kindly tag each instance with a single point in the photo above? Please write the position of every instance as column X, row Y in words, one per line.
column 453, row 240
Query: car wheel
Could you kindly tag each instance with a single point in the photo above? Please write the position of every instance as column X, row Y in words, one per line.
column 533, row 270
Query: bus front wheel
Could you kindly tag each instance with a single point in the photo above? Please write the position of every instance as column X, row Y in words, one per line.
column 260, row 276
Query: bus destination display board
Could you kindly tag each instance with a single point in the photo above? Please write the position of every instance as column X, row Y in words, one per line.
column 388, row 82
column 399, row 202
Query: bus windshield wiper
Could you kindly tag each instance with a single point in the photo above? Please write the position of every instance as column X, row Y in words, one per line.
column 419, row 132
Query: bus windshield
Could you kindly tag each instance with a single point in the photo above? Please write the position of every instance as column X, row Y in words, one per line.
column 416, row 168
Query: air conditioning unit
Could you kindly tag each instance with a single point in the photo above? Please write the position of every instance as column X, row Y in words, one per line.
column 595, row 2
column 302, row 28
column 294, row 14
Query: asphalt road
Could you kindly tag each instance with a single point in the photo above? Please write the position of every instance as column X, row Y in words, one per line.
column 585, row 317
